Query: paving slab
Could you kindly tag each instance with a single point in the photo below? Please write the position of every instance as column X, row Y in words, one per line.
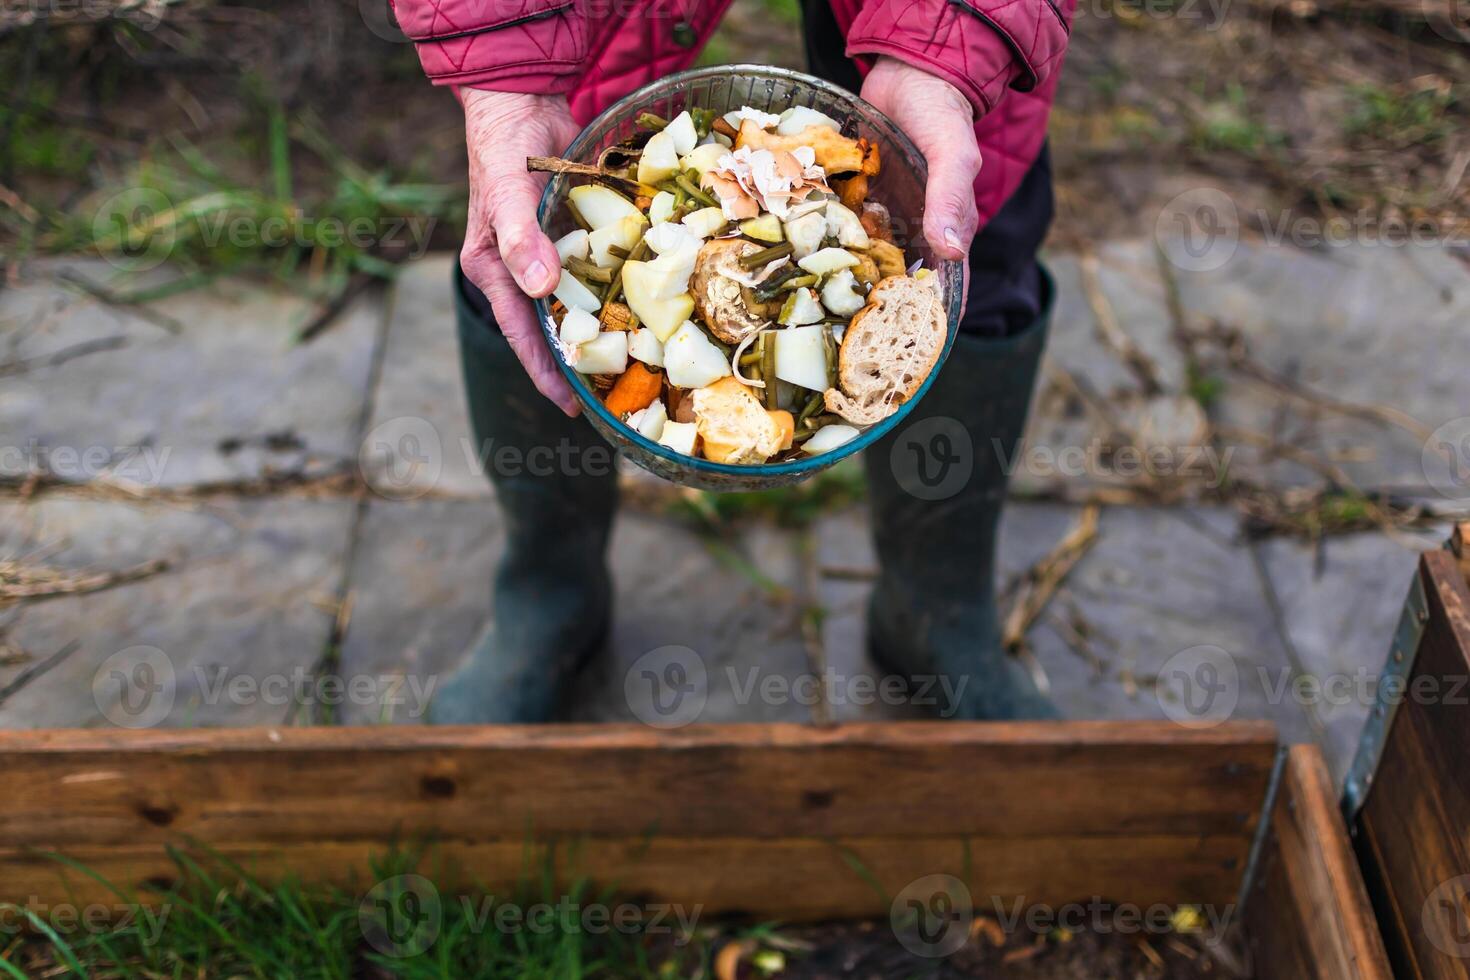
column 419, row 439
column 1340, row 603
column 228, row 634
column 1156, row 584
column 1370, row 324
column 203, row 386
column 421, row 586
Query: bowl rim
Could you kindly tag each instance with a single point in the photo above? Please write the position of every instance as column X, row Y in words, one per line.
column 813, row 463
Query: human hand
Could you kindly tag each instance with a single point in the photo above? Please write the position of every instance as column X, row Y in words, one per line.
column 505, row 252
column 941, row 122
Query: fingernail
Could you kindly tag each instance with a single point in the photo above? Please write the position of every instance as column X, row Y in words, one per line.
column 535, row 275
column 952, row 239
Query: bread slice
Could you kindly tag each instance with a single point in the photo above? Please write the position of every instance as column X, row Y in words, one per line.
column 890, row 347
column 718, row 300
column 735, row 426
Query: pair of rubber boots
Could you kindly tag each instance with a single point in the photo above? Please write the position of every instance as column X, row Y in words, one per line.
column 936, row 487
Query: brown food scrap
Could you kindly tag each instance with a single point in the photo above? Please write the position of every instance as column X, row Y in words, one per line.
column 642, row 203
column 889, row 258
column 835, row 153
column 724, row 128
column 871, row 162
column 876, row 221
column 616, row 316
column 852, row 192
column 604, row 382
column 866, row 271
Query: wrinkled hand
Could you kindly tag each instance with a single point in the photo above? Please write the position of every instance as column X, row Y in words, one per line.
column 505, row 252
column 940, row 121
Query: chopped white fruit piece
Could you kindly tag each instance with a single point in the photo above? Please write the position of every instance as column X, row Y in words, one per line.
column 641, row 283
column 662, row 208
column 704, row 157
column 806, row 233
column 845, row 226
column 681, row 130
column 839, row 293
column 799, row 117
column 827, row 261
column 659, row 160
column 705, row 222
column 670, row 236
column 624, row 234
column 691, row 360
column 766, row 228
column 573, row 245
column 607, row 353
column 574, row 295
column 578, row 327
column 646, row 347
column 801, row 357
column 828, row 438
column 649, row 422
column 679, row 436
column 801, row 307
column 602, row 206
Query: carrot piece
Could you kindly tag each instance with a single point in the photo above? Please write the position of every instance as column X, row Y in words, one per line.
column 635, row 389
column 786, row 423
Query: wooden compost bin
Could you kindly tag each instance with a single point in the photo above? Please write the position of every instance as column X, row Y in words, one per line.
column 754, row 820
column 1407, row 796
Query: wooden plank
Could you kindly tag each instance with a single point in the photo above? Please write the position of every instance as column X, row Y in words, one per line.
column 743, row 817
column 1460, row 545
column 933, row 778
column 1413, row 832
column 790, row 879
column 1311, row 917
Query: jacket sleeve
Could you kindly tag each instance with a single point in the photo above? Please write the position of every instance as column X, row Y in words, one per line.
column 532, row 46
column 982, row 47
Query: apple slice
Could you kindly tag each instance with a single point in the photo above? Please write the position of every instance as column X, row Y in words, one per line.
column 646, row 347
column 572, row 244
column 691, row 361
column 578, row 327
column 801, row 307
column 659, row 160
column 828, row 438
column 827, row 261
column 602, row 206
column 705, row 222
column 574, row 295
column 661, row 209
column 624, row 234
column 703, row 158
column 681, row 131
column 801, row 357
column 663, row 316
column 607, row 353
column 766, row 228
column 679, row 436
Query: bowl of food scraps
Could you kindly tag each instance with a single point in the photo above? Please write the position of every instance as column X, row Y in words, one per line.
column 746, row 296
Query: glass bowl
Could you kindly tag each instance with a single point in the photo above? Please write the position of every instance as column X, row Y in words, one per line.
column 899, row 186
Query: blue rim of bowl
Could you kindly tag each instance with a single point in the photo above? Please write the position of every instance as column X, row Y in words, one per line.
column 820, row 461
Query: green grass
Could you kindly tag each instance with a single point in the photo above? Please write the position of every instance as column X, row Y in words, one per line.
column 219, row 921
column 1418, row 116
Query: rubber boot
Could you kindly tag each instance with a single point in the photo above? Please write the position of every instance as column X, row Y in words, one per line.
column 937, row 485
column 556, row 483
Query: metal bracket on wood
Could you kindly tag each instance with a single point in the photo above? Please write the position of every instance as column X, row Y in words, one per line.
column 1263, row 834
column 1392, row 683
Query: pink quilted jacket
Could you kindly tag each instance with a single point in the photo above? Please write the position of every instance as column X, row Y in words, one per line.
column 1003, row 54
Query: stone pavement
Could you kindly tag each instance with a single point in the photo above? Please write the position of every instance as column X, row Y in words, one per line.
column 211, row 462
